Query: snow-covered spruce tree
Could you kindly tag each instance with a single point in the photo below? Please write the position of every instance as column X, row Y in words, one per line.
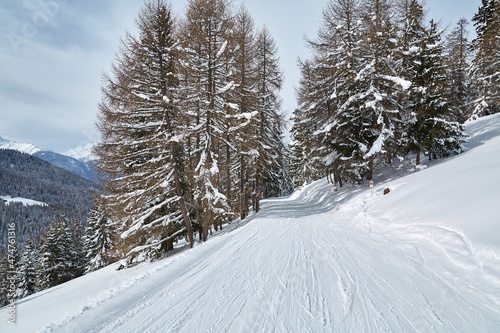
column 78, row 235
column 142, row 127
column 55, row 263
column 27, row 269
column 430, row 126
column 99, row 240
column 373, row 107
column 332, row 84
column 412, row 37
column 206, row 37
column 300, row 167
column 353, row 95
column 457, row 61
column 8, row 259
column 270, row 119
column 485, row 69
column 5, row 279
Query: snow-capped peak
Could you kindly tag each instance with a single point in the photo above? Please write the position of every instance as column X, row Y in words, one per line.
column 22, row 147
column 82, row 153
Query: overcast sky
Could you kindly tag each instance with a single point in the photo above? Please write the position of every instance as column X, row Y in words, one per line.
column 53, row 53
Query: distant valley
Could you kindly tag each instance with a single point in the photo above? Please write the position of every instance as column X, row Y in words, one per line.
column 35, row 192
column 79, row 162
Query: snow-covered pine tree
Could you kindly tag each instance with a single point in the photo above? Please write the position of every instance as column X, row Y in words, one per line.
column 429, row 125
column 206, row 35
column 77, row 234
column 271, row 122
column 99, row 240
column 55, row 262
column 332, row 86
column 5, row 279
column 143, row 127
column 412, row 37
column 27, row 271
column 300, row 169
column 374, row 105
column 485, row 69
column 457, row 61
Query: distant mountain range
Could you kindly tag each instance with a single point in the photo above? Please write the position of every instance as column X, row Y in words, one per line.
column 78, row 161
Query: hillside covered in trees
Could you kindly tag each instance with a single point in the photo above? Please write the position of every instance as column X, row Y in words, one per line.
column 43, row 201
column 384, row 86
column 26, row 176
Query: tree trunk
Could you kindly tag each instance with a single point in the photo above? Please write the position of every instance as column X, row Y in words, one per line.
column 242, row 200
column 369, row 172
column 182, row 206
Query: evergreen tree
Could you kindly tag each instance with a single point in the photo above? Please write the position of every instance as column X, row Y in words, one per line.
column 301, row 171
column 457, row 61
column 332, row 89
column 142, row 127
column 376, row 107
column 271, row 123
column 5, row 279
column 55, row 263
column 485, row 69
column 375, row 89
column 99, row 240
column 304, row 165
column 27, row 271
column 77, row 235
column 431, row 127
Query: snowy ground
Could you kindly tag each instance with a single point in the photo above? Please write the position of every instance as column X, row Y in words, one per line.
column 27, row 202
column 424, row 258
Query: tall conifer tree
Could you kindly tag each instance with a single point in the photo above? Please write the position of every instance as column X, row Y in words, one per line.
column 485, row 69
column 206, row 30
column 142, row 125
column 269, row 141
column 27, row 271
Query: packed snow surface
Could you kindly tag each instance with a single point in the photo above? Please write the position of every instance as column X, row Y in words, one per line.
column 423, row 258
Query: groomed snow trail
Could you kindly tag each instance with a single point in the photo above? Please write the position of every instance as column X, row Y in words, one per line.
column 301, row 265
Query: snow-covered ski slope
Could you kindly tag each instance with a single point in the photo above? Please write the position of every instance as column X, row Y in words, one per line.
column 424, row 258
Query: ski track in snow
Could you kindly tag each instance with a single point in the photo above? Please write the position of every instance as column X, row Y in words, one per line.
column 329, row 273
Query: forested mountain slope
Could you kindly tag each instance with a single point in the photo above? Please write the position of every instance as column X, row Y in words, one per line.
column 26, row 176
column 81, row 167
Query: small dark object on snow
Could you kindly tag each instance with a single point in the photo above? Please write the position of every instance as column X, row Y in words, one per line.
column 386, row 191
